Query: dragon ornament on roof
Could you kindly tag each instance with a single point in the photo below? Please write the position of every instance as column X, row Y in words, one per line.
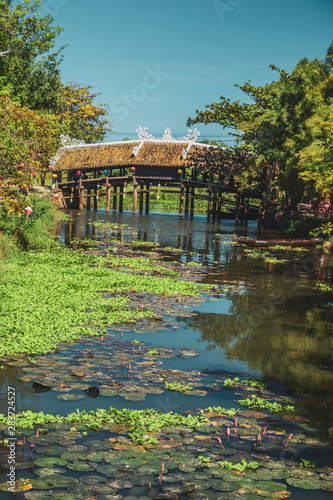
column 167, row 136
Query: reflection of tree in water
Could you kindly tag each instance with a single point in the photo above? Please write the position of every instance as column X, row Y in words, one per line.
column 278, row 328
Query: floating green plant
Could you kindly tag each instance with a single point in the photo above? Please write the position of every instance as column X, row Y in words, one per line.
column 261, row 404
column 307, row 464
column 228, row 382
column 153, row 352
column 151, row 420
column 71, row 297
column 323, row 287
column 222, row 411
column 178, row 386
column 241, row 467
column 255, row 383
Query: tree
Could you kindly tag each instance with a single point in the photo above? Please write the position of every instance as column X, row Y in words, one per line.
column 35, row 84
column 25, row 76
column 23, row 30
column 28, row 140
column 86, row 120
column 276, row 126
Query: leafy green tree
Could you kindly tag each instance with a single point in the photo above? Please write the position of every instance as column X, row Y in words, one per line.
column 26, row 75
column 23, row 30
column 276, row 126
column 87, row 121
column 35, row 84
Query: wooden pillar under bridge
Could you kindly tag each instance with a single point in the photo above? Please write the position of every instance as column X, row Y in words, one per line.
column 209, row 208
column 81, row 194
column 214, row 206
column 88, row 198
column 192, row 203
column 237, row 208
column 181, row 200
column 80, row 228
column 70, row 231
column 241, row 209
column 114, row 201
column 95, row 198
column 108, row 190
column 141, row 199
column 95, row 192
column 135, row 195
column 121, row 199
column 219, row 203
column 187, row 197
column 246, row 210
column 147, row 199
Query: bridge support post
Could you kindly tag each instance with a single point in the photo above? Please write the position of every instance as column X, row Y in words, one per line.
column 237, row 208
column 209, row 208
column 187, row 197
column 141, row 199
column 181, row 201
column 192, row 203
column 135, row 196
column 81, row 194
column 242, row 212
column 214, row 206
column 246, row 210
column 114, row 201
column 121, row 199
column 147, row 199
column 219, row 203
column 108, row 189
column 95, row 198
column 88, row 198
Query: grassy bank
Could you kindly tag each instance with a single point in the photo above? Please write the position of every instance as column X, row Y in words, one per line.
column 33, row 232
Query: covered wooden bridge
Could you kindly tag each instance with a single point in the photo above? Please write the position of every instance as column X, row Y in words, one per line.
column 86, row 173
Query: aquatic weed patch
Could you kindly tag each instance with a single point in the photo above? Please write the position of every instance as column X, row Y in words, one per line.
column 261, row 404
column 52, row 297
column 276, row 254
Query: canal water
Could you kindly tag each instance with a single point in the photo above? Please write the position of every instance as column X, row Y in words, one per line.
column 273, row 323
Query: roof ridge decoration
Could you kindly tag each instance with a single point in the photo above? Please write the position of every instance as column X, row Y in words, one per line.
column 137, row 148
column 145, row 136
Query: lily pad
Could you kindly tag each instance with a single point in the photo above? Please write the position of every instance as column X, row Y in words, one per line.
column 50, row 461
column 83, row 466
column 311, row 483
column 37, row 495
column 46, row 472
column 59, row 481
column 107, row 469
column 20, row 485
column 54, row 450
column 71, row 397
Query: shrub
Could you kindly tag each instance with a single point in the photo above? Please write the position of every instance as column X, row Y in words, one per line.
column 33, row 232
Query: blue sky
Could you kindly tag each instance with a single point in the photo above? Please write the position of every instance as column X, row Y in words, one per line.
column 156, row 62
